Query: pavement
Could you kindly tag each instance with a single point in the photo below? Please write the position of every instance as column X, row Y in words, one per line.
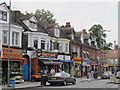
column 28, row 84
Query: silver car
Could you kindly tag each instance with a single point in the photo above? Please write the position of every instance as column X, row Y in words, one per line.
column 117, row 77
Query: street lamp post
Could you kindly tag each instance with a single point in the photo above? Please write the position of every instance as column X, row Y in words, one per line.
column 114, row 58
column 8, row 76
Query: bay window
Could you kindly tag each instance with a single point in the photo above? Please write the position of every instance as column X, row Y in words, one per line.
column 5, row 37
column 61, row 47
column 66, row 47
column 43, row 44
column 15, row 38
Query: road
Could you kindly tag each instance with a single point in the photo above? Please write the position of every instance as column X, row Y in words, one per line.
column 93, row 84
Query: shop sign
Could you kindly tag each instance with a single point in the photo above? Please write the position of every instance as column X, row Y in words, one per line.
column 47, row 55
column 63, row 57
column 105, row 65
column 77, row 60
column 86, row 62
column 13, row 52
column 93, row 63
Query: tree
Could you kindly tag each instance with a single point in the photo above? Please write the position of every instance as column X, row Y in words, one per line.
column 45, row 15
column 98, row 32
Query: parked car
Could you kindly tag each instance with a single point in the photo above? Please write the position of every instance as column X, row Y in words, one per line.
column 61, row 78
column 117, row 77
column 106, row 75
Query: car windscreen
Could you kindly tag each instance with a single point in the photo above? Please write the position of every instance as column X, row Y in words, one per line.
column 57, row 74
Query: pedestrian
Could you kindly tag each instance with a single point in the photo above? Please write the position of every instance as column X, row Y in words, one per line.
column 89, row 76
column 52, row 71
column 92, row 74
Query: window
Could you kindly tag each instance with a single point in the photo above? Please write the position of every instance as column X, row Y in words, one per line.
column 66, row 47
column 42, row 44
column 47, row 46
column 53, row 45
column 60, row 47
column 74, row 49
column 3, row 15
column 5, row 37
column 57, row 32
column 78, row 52
column 15, row 37
column 0, row 15
column 33, row 25
column 36, row 44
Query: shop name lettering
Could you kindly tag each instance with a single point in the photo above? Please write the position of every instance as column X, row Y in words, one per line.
column 46, row 54
column 12, row 51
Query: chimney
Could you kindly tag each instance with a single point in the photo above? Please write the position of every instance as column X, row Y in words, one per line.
column 68, row 24
column 15, row 16
column 84, row 30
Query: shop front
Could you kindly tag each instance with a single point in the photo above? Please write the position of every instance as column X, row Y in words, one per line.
column 16, row 62
column 44, row 62
column 86, row 66
column 94, row 65
column 77, row 67
column 67, row 62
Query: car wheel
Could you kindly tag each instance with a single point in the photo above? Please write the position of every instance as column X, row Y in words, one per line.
column 64, row 83
column 74, row 82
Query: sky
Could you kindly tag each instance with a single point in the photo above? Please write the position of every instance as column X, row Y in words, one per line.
column 82, row 14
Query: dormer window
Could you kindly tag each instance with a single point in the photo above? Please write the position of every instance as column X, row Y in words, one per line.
column 3, row 15
column 57, row 32
column 33, row 25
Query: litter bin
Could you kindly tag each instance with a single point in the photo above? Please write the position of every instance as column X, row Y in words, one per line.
column 43, row 80
column 12, row 83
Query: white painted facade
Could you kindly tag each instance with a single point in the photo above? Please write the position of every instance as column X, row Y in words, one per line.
column 39, row 36
column 63, row 43
column 4, row 26
column 3, row 7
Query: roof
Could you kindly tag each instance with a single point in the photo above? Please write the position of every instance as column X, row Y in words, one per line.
column 25, row 17
column 78, row 33
column 3, row 3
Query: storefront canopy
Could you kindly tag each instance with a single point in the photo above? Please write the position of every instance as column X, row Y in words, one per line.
column 52, row 63
column 69, row 61
column 77, row 60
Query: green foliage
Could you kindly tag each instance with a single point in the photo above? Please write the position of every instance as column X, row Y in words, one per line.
column 98, row 32
column 44, row 15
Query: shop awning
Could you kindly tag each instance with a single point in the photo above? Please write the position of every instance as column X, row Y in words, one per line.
column 52, row 63
column 71, row 62
column 86, row 62
column 77, row 60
